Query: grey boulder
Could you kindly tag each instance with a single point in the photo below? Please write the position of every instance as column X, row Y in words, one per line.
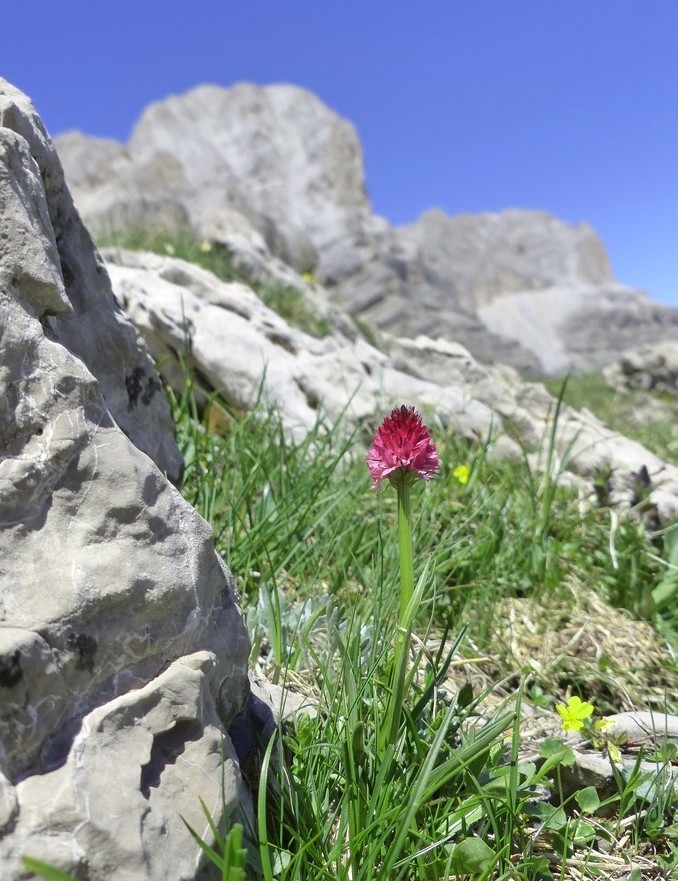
column 652, row 368
column 276, row 155
column 123, row 654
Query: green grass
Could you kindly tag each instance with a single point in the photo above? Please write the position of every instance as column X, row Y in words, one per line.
column 307, row 511
column 315, row 554
column 367, row 332
column 624, row 412
column 293, row 306
column 288, row 302
column 212, row 257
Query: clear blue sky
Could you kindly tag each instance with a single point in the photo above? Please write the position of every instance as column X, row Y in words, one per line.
column 570, row 106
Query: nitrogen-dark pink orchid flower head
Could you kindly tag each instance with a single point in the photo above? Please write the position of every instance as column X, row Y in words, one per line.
column 402, row 447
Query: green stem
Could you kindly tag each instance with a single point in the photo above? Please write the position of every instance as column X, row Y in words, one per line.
column 405, row 540
column 404, row 636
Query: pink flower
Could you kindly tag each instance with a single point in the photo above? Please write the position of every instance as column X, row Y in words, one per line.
column 402, row 447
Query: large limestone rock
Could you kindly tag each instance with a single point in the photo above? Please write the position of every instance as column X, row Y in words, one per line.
column 271, row 169
column 245, row 351
column 122, row 650
column 52, row 256
column 277, row 155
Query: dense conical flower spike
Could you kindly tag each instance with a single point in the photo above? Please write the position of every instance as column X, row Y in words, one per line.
column 402, row 448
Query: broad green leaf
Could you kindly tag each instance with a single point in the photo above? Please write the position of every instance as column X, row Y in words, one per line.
column 472, row 855
column 588, row 799
column 557, row 819
column 665, row 591
column 582, row 832
column 550, row 747
column 556, row 753
column 527, row 770
column 552, row 818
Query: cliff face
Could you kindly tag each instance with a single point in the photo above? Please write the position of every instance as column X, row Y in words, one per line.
column 277, row 155
column 274, row 166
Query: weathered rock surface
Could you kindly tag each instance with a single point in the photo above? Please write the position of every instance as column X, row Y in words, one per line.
column 122, row 649
column 276, row 155
column 653, row 368
column 53, row 257
column 629, row 731
column 241, row 348
column 136, row 766
column 259, row 168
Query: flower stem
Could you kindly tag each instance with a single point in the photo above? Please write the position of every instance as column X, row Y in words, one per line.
column 403, row 637
column 405, row 540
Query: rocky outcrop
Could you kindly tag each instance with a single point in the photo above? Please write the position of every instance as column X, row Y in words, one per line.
column 276, row 155
column 272, row 169
column 52, row 256
column 654, row 368
column 489, row 255
column 122, row 650
column 247, row 352
column 518, row 287
column 243, row 350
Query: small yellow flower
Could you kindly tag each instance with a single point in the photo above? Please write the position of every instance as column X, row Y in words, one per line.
column 308, row 277
column 603, row 724
column 574, row 713
column 462, row 473
column 205, row 246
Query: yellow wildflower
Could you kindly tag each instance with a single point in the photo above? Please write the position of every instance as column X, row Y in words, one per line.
column 462, row 473
column 574, row 713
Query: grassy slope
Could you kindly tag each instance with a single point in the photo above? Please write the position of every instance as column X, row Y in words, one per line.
column 314, row 552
